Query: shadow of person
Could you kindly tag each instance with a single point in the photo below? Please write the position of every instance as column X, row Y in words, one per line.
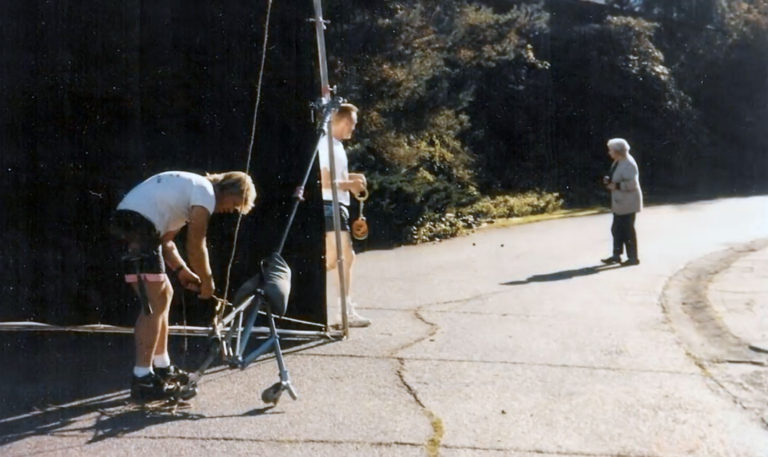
column 563, row 275
column 116, row 422
column 107, row 417
column 43, row 395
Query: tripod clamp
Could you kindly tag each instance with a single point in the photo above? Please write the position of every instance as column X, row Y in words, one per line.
column 326, row 109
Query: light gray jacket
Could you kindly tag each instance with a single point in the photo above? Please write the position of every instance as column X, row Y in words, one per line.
column 628, row 198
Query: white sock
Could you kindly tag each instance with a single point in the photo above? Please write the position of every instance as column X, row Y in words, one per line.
column 141, row 371
column 162, row 360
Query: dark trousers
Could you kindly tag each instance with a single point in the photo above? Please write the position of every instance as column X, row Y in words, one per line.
column 623, row 230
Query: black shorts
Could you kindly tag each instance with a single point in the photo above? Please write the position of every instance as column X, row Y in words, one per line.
column 343, row 213
column 139, row 244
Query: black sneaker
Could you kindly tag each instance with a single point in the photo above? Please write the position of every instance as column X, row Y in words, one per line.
column 631, row 262
column 611, row 260
column 179, row 377
column 151, row 387
column 172, row 374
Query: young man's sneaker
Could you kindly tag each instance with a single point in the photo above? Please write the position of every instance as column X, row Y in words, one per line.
column 631, row 262
column 151, row 387
column 357, row 321
column 172, row 374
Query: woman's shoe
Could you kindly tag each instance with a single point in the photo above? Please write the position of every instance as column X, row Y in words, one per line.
column 611, row 260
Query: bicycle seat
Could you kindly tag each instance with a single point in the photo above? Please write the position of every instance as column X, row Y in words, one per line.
column 273, row 283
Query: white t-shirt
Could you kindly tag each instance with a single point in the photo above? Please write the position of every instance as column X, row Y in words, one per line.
column 167, row 198
column 342, row 168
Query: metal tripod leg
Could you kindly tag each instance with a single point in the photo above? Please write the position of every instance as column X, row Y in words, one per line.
column 272, row 393
column 213, row 352
column 285, row 379
column 246, row 332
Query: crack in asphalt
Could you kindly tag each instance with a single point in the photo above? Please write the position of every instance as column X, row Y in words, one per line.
column 432, row 446
column 508, row 362
column 547, row 452
column 259, row 440
column 474, row 313
column 444, row 302
column 381, row 444
column 739, row 362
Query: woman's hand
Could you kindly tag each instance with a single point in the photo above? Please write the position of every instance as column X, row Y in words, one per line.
column 188, row 279
column 611, row 186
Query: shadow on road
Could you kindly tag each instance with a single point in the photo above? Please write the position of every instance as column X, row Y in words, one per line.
column 58, row 383
column 563, row 275
column 122, row 420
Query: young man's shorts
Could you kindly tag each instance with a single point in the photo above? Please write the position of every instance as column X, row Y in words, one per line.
column 140, row 250
column 343, row 213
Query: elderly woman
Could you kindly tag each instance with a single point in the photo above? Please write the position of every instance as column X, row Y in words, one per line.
column 623, row 182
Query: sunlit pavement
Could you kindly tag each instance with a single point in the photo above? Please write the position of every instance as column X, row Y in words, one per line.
column 508, row 342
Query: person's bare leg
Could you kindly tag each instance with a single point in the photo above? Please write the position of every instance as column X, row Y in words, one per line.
column 162, row 337
column 330, row 251
column 333, row 311
column 349, row 259
column 355, row 319
column 149, row 327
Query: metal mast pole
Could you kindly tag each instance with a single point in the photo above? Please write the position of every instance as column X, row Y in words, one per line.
column 325, row 90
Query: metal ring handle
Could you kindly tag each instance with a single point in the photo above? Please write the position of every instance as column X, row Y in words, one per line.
column 362, row 196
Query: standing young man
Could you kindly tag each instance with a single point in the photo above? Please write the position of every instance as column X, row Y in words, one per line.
column 146, row 222
column 343, row 125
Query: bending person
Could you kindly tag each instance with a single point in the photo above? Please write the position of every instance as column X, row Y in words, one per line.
column 626, row 201
column 147, row 221
column 343, row 125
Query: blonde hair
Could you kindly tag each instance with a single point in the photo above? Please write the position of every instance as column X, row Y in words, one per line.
column 234, row 183
column 345, row 111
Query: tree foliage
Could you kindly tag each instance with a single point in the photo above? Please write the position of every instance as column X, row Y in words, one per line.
column 467, row 99
column 417, row 83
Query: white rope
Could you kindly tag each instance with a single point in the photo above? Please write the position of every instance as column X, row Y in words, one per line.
column 252, row 141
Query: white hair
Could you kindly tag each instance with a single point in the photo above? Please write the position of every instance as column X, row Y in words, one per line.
column 619, row 145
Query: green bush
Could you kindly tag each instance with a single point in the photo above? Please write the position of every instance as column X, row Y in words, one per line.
column 454, row 222
column 520, row 205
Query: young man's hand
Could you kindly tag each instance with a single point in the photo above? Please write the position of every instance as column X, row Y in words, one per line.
column 357, row 183
column 207, row 287
column 188, row 279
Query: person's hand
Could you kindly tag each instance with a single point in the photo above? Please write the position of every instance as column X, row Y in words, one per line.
column 207, row 288
column 357, row 184
column 611, row 186
column 359, row 176
column 188, row 279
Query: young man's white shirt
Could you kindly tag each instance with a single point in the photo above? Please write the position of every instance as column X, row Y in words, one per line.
column 166, row 199
column 342, row 167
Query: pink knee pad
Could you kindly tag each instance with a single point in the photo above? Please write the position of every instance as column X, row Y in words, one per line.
column 147, row 277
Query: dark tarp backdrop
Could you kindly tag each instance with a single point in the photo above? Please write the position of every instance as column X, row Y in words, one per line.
column 95, row 97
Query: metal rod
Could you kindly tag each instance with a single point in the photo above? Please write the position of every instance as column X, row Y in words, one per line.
column 239, row 338
column 246, row 331
column 176, row 330
column 233, row 314
column 325, row 91
column 259, row 351
column 278, row 352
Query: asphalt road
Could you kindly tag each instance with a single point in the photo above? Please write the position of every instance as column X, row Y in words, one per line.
column 508, row 342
